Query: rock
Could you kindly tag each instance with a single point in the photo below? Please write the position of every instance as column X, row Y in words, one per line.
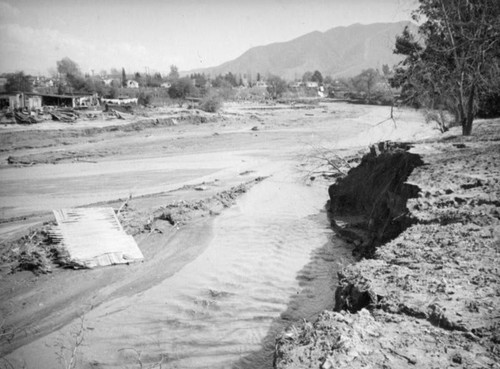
column 456, row 358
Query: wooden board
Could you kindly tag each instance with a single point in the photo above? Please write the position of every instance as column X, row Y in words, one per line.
column 94, row 237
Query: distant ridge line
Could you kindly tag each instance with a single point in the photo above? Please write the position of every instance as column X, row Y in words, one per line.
column 340, row 51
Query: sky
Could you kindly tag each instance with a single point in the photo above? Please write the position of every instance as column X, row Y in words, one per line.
column 151, row 35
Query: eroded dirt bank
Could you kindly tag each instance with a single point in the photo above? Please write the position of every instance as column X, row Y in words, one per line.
column 427, row 293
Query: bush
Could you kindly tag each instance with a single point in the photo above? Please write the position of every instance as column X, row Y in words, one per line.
column 144, row 99
column 489, row 106
column 442, row 119
column 181, row 88
column 113, row 93
column 251, row 93
column 276, row 86
column 211, row 104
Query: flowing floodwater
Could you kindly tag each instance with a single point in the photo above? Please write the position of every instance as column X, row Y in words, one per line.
column 271, row 262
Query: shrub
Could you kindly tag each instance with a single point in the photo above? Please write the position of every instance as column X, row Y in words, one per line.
column 489, row 105
column 113, row 93
column 181, row 88
column 144, row 99
column 276, row 86
column 442, row 118
column 211, row 104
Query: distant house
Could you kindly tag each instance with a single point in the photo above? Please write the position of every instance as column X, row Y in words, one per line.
column 47, row 83
column 42, row 82
column 261, row 84
column 12, row 101
column 32, row 101
column 166, row 85
column 21, row 100
column 312, row 84
column 132, row 83
column 73, row 101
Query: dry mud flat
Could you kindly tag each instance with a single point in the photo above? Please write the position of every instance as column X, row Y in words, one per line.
column 430, row 296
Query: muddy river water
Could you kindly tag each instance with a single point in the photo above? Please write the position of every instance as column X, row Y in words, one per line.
column 270, row 261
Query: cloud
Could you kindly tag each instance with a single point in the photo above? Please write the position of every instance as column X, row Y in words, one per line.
column 8, row 11
column 39, row 38
column 29, row 49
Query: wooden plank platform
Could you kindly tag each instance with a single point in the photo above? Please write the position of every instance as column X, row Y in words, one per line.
column 94, row 237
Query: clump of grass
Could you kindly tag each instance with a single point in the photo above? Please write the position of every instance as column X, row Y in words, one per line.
column 211, row 104
column 34, row 259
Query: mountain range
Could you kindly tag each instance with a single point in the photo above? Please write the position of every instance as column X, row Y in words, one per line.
column 338, row 52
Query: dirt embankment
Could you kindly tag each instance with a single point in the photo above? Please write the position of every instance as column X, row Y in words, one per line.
column 427, row 292
column 13, row 141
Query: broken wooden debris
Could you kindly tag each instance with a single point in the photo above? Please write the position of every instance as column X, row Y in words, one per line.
column 64, row 116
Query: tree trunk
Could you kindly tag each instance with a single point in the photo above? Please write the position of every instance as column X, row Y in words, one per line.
column 468, row 117
column 466, row 126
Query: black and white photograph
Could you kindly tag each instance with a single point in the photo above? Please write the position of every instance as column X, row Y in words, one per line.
column 249, row 184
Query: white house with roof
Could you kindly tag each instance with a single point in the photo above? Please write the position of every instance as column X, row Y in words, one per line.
column 132, row 83
column 312, row 84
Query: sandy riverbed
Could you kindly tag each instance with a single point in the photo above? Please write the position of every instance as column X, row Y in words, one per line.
column 58, row 166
